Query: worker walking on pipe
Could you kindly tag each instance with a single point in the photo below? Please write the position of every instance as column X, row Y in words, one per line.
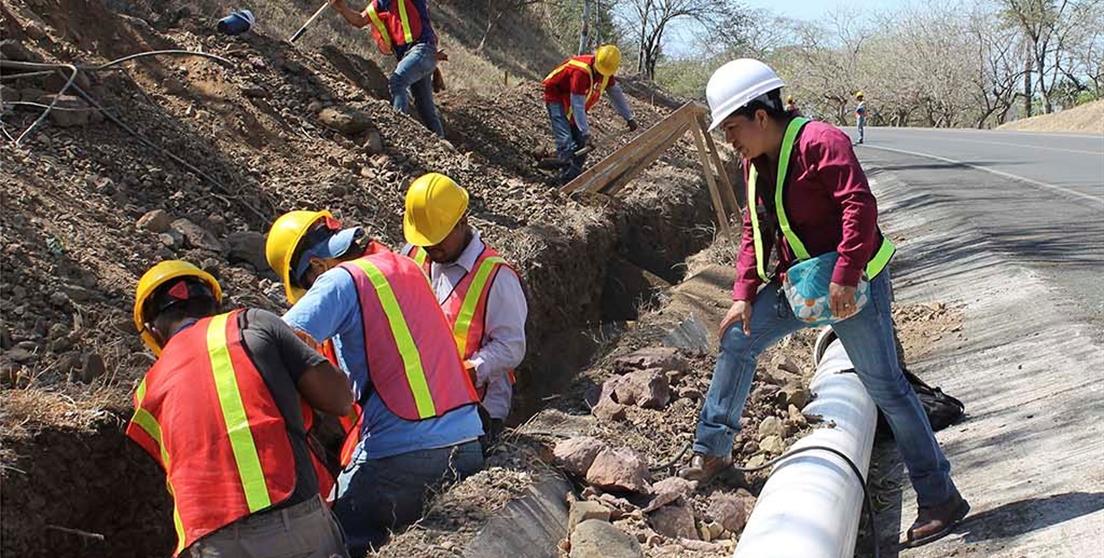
column 220, row 411
column 570, row 91
column 403, row 28
column 479, row 292
column 419, row 421
column 808, row 196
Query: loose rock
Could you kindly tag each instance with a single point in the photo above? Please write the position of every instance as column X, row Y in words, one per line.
column 618, row 469
column 576, row 455
column 670, row 490
column 771, row 444
column 598, row 539
column 92, row 368
column 731, row 510
column 248, row 247
column 644, row 388
column 345, row 120
column 197, row 236
column 585, row 510
column 675, row 522
column 770, row 426
column 794, row 394
column 663, row 358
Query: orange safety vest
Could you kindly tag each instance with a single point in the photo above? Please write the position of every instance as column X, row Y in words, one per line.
column 420, row 257
column 466, row 307
column 205, row 414
column 582, row 63
column 411, row 363
column 399, row 26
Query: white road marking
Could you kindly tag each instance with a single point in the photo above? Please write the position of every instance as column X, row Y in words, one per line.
column 993, row 171
column 1025, row 146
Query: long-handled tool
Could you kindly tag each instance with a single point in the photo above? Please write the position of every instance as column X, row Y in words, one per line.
column 303, row 29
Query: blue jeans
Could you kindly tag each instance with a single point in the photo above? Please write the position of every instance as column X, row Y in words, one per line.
column 376, row 495
column 568, row 141
column 868, row 339
column 414, row 74
column 861, row 124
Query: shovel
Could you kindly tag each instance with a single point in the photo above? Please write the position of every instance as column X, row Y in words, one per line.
column 303, row 29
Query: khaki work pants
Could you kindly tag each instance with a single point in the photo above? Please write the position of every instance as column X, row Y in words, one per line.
column 304, row 530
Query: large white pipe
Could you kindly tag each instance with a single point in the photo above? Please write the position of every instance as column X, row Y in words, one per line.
column 810, row 505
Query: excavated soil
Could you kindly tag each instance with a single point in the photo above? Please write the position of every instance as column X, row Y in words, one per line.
column 72, row 248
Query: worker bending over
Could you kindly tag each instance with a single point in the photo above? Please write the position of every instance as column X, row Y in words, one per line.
column 220, row 412
column 403, row 28
column 478, row 291
column 570, row 91
column 420, row 422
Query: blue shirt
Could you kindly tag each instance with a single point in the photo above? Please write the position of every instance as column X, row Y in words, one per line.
column 331, row 310
column 427, row 36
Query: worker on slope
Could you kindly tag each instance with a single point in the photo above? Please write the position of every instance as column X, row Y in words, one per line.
column 220, row 411
column 570, row 91
column 403, row 28
column 478, row 291
column 860, row 115
column 419, row 422
column 805, row 181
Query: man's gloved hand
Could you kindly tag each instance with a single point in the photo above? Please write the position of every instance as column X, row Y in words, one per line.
column 633, row 125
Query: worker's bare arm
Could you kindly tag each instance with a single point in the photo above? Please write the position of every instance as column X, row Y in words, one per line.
column 355, row 18
column 327, row 389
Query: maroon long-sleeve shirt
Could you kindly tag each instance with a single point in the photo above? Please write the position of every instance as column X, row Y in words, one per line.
column 828, row 203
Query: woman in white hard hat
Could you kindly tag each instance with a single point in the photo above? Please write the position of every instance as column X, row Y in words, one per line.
column 823, row 218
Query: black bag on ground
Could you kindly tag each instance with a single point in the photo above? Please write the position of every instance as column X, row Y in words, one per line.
column 943, row 410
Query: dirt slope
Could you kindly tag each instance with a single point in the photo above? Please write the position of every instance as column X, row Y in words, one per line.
column 73, row 249
column 1087, row 119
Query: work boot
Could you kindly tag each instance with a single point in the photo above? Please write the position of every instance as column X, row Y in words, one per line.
column 933, row 523
column 704, row 467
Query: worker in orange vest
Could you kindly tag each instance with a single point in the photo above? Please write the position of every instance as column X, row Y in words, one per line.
column 220, row 412
column 419, row 419
column 403, row 28
column 571, row 90
column 480, row 293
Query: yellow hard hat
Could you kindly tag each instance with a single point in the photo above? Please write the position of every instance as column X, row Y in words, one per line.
column 155, row 277
column 283, row 239
column 859, row 95
column 434, row 204
column 607, row 59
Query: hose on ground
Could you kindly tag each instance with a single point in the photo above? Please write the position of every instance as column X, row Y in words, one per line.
column 69, row 82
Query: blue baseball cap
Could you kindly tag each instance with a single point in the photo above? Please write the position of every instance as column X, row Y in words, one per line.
column 333, row 247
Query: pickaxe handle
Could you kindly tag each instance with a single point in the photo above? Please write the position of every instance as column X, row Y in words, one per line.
column 303, row 29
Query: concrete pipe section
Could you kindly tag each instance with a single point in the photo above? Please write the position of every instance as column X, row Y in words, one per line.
column 810, row 505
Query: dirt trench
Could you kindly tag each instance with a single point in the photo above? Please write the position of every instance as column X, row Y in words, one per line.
column 72, row 251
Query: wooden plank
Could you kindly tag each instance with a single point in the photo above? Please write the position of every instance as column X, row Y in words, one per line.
column 718, row 204
column 640, row 156
column 623, row 180
column 727, row 191
column 632, row 153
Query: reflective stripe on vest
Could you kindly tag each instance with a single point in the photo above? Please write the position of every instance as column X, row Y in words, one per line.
column 420, row 257
column 876, row 264
column 408, row 351
column 224, row 429
column 476, row 291
column 381, row 33
column 412, row 360
column 401, row 26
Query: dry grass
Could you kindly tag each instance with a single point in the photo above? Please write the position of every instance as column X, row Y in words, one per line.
column 1087, row 118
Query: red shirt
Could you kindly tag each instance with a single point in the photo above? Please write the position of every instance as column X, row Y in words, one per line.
column 828, row 203
column 560, row 85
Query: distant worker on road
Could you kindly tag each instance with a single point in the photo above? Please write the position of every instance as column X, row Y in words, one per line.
column 220, row 412
column 419, row 416
column 479, row 292
column 570, row 91
column 403, row 28
column 810, row 188
column 860, row 115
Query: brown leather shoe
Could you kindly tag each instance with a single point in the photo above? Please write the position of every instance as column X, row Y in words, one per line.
column 704, row 467
column 936, row 522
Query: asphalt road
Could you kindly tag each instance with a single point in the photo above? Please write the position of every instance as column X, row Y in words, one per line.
column 1039, row 198
column 1008, row 229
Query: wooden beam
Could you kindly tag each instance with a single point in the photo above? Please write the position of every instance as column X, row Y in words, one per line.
column 635, row 153
column 718, row 204
column 727, row 191
column 621, row 181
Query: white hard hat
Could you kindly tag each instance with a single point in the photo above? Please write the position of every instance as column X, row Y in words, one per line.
column 736, row 84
